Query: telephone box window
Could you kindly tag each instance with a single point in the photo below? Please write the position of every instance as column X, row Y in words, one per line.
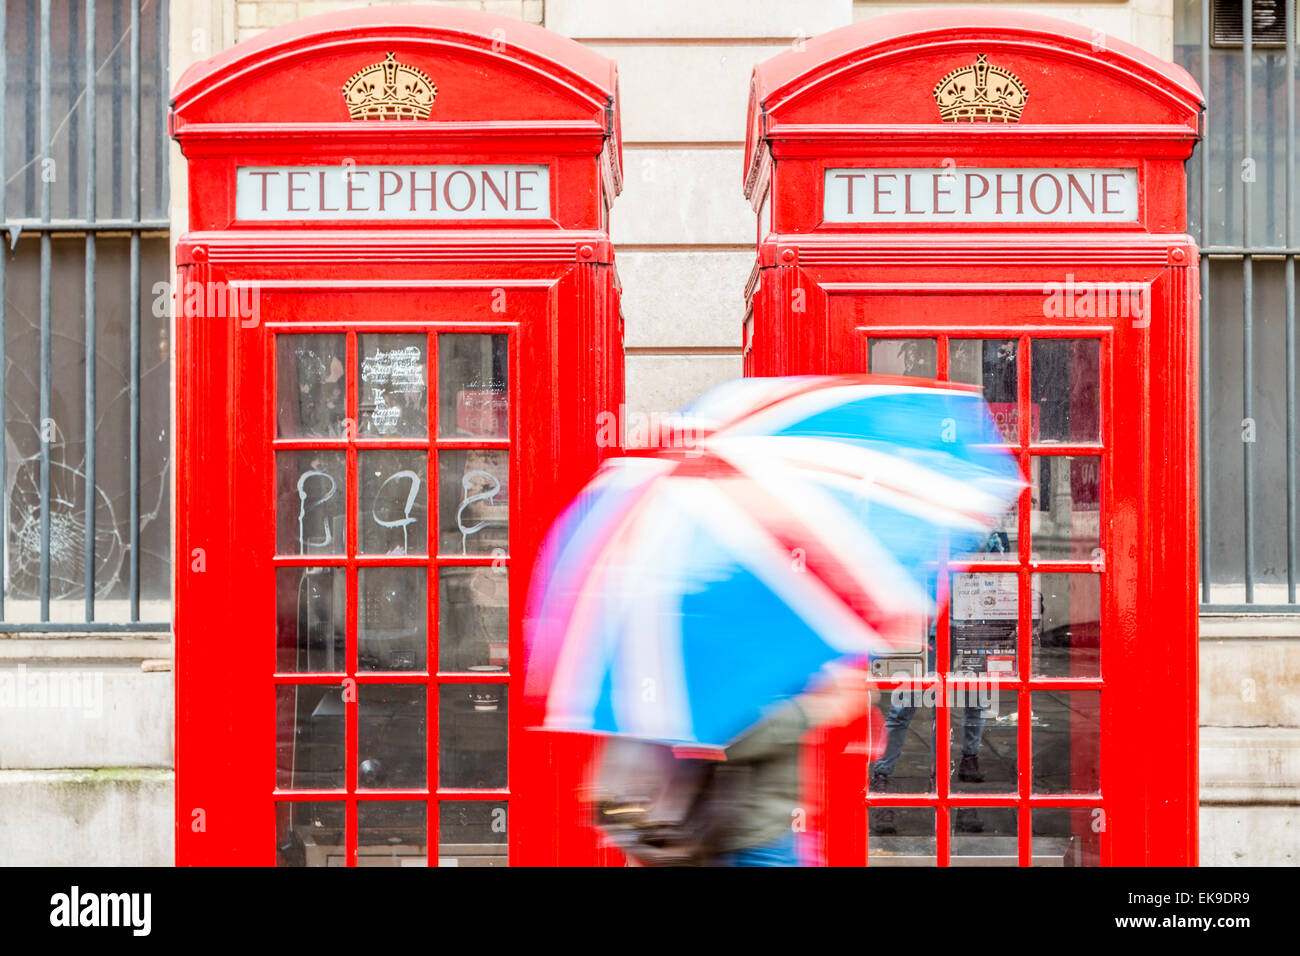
column 311, row 620
column 472, row 833
column 991, row 364
column 474, row 496
column 1067, row 836
column 392, row 394
column 902, row 836
column 984, row 621
column 472, row 386
column 310, row 746
column 472, row 736
column 392, row 619
column 1064, row 377
column 473, row 619
column 392, row 514
column 983, row 836
column 918, row 357
column 1066, row 498
column 983, row 741
column 1064, row 736
column 390, row 736
column 392, row 833
column 310, row 385
column 1070, row 641
column 310, row 502
column 309, row 833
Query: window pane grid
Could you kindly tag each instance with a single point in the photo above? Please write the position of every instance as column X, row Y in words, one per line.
column 354, row 797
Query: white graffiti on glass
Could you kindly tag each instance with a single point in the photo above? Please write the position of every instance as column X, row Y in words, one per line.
column 467, row 483
column 303, row 541
column 406, row 518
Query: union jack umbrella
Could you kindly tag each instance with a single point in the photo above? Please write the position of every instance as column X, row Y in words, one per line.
column 781, row 525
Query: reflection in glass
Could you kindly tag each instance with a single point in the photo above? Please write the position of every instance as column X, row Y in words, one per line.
column 1065, row 520
column 309, row 515
column 309, row 737
column 1070, row 642
column 983, row 742
column 392, row 619
column 309, row 833
column 473, row 495
column 393, row 399
column 472, row 833
column 917, row 357
column 472, row 735
column 983, row 836
column 390, row 736
column 1064, row 378
column 311, row 389
column 990, row 364
column 906, row 764
column 473, row 619
column 393, row 509
column 472, row 386
column 983, row 623
column 1065, row 738
column 1067, row 836
column 1002, row 542
column 392, row 833
column 902, row 836
column 310, row 619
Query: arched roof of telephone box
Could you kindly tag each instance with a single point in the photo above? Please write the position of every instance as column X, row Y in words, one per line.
column 294, row 73
column 828, row 71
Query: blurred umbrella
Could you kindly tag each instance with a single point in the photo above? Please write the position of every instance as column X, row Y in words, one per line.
column 781, row 524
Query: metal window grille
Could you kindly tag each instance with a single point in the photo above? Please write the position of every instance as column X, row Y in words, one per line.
column 1243, row 208
column 84, row 385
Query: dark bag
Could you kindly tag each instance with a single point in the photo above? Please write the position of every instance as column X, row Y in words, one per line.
column 660, row 808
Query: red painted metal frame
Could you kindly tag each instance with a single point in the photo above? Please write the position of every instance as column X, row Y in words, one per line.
column 508, row 92
column 861, row 97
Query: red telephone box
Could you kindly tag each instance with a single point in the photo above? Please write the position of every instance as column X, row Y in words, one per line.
column 398, row 324
column 999, row 199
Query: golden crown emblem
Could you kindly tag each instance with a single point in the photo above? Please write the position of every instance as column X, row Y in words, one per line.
column 389, row 90
column 980, row 92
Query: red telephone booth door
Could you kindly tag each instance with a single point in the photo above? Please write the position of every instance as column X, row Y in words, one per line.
column 397, row 322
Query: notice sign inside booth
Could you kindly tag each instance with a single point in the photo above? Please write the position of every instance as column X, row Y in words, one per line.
column 966, row 194
column 291, row 193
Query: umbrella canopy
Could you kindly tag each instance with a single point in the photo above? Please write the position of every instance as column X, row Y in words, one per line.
column 785, row 524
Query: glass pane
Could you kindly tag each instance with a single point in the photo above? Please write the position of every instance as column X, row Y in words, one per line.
column 393, row 399
column 473, row 495
column 983, row 623
column 1002, row 542
column 393, row 511
column 472, row 833
column 990, row 364
column 472, row 386
column 983, row 742
column 917, row 357
column 983, row 836
column 907, row 763
column 473, row 619
column 309, row 737
column 1065, row 491
column 310, row 517
column 309, row 833
column 390, row 736
column 1069, row 642
column 1067, row 836
column 392, row 833
column 472, row 735
column 311, row 388
column 392, row 619
column 902, row 836
column 1065, row 737
column 311, row 620
column 1064, row 380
